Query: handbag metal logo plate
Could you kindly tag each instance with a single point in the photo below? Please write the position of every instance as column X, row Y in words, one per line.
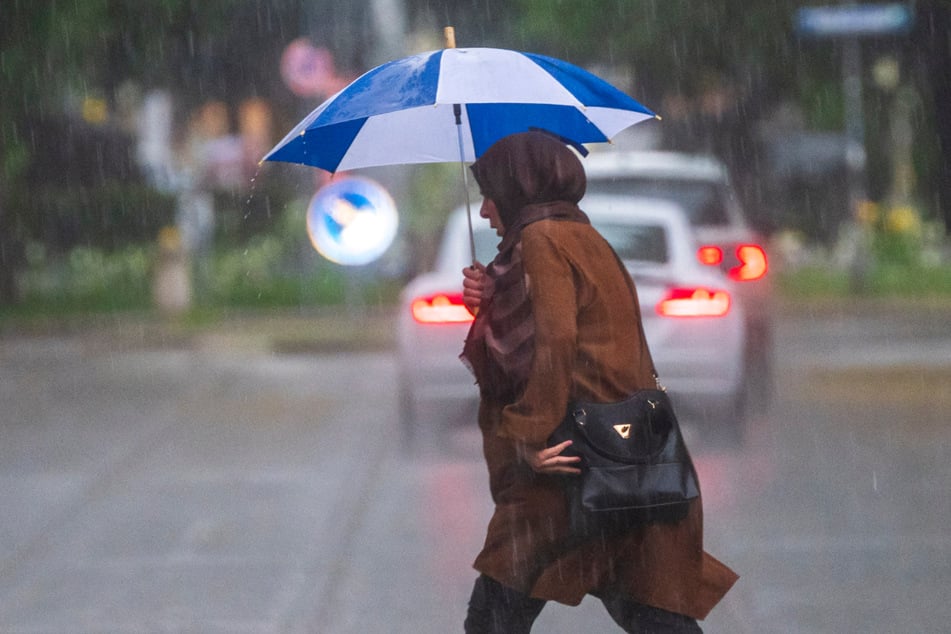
column 624, row 431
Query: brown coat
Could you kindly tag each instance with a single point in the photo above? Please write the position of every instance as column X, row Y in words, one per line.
column 586, row 348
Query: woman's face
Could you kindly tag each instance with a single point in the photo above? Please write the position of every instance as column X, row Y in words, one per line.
column 490, row 212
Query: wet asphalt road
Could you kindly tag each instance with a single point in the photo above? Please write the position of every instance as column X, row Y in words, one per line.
column 208, row 488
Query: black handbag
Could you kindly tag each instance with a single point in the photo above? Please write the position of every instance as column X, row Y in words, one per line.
column 635, row 465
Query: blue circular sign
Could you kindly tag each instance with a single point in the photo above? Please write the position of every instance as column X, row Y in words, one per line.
column 352, row 221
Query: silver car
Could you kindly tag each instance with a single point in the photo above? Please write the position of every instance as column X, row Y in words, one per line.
column 693, row 324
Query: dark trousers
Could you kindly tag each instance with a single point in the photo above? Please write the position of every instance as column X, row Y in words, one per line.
column 496, row 609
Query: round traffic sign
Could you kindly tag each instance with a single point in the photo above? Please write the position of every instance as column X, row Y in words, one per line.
column 352, row 221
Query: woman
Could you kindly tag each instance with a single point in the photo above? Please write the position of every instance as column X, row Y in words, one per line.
column 556, row 322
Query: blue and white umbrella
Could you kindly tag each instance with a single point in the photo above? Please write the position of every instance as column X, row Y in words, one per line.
column 451, row 105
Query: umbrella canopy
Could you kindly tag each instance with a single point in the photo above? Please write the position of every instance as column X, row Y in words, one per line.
column 451, row 105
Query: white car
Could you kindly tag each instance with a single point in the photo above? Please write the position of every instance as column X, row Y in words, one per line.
column 693, row 326
column 723, row 239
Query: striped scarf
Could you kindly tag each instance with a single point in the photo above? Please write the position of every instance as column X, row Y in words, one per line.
column 501, row 343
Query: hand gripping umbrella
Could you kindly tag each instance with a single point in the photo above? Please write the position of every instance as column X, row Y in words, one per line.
column 451, row 105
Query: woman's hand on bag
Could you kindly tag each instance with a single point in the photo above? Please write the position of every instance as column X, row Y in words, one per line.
column 476, row 286
column 548, row 460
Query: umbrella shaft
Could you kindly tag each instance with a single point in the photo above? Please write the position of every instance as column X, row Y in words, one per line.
column 457, row 111
column 465, row 182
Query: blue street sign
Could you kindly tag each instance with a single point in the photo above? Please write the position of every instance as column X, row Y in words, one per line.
column 352, row 221
column 854, row 20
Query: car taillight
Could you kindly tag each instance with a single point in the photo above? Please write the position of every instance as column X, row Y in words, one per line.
column 441, row 308
column 748, row 263
column 710, row 255
column 752, row 264
column 694, row 302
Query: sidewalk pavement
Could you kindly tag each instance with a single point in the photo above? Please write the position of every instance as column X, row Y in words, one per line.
column 336, row 329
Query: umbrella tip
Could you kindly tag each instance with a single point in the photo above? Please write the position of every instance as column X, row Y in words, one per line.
column 449, row 34
column 658, row 117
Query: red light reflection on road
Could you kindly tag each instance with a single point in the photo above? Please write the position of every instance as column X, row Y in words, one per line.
column 732, row 476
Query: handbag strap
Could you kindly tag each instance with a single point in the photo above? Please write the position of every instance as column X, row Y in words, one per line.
column 640, row 321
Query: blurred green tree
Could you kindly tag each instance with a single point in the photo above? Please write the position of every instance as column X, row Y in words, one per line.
column 68, row 172
column 715, row 69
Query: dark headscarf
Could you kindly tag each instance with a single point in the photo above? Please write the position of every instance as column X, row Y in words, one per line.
column 529, row 176
column 529, row 168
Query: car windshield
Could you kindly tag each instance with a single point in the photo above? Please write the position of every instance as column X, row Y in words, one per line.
column 642, row 243
column 701, row 200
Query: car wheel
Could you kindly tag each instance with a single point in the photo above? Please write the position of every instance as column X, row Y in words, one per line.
column 723, row 420
column 735, row 416
column 759, row 370
column 408, row 415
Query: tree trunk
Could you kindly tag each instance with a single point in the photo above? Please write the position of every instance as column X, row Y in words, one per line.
column 935, row 27
column 11, row 258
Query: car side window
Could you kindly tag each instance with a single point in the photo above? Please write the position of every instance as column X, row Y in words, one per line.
column 712, row 211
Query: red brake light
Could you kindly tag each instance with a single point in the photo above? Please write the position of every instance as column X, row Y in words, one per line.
column 694, row 302
column 710, row 255
column 752, row 264
column 748, row 264
column 441, row 308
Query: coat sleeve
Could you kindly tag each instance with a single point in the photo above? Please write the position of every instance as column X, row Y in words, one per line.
column 551, row 286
